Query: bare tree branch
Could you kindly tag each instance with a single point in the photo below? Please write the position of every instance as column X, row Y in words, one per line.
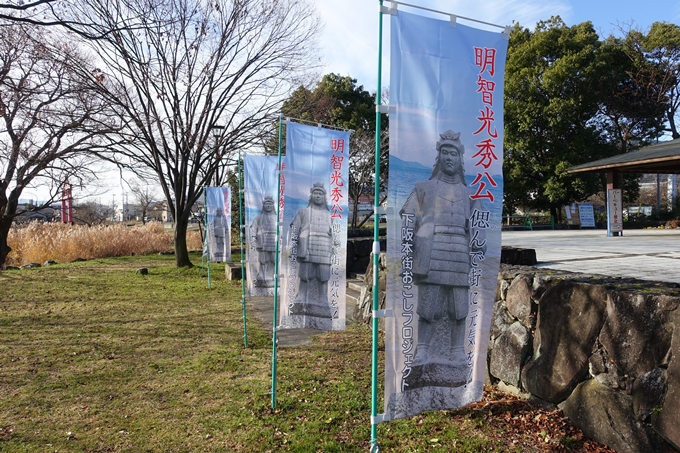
column 197, row 82
column 59, row 13
column 49, row 120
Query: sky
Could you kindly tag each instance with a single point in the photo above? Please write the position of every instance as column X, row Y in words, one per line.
column 349, row 42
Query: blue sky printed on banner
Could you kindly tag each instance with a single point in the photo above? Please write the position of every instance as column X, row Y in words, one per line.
column 259, row 174
column 445, row 96
column 214, row 199
column 309, row 164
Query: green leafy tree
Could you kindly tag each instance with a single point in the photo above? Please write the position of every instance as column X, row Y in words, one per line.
column 630, row 96
column 550, row 101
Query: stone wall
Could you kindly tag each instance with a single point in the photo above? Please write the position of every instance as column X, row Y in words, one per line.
column 605, row 350
column 359, row 252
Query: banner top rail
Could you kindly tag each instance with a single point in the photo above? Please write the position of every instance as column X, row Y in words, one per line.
column 317, row 124
column 506, row 29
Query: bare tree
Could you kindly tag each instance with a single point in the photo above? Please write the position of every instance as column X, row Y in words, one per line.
column 144, row 197
column 49, row 121
column 93, row 213
column 362, row 170
column 66, row 14
column 198, row 82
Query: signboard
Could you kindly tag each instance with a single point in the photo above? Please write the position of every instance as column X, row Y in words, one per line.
column 571, row 214
column 586, row 215
column 614, row 211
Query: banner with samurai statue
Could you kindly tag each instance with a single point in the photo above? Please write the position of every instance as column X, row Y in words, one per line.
column 446, row 195
column 314, row 227
column 259, row 194
column 217, row 244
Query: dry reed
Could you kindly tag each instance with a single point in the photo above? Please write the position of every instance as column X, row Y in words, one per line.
column 39, row 242
column 194, row 241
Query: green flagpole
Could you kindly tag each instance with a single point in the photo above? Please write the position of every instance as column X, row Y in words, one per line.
column 376, row 247
column 276, row 265
column 206, row 240
column 206, row 237
column 241, row 229
column 205, row 232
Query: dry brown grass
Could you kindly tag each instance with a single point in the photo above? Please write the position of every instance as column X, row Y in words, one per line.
column 194, row 241
column 39, row 242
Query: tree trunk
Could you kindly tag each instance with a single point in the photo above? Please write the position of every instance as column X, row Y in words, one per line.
column 181, row 252
column 555, row 213
column 5, row 224
column 354, row 213
column 672, row 126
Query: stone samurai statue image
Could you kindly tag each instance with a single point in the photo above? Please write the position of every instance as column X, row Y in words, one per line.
column 219, row 235
column 263, row 231
column 313, row 227
column 441, row 208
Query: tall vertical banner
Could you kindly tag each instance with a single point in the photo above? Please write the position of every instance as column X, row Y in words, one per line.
column 314, row 228
column 217, row 244
column 446, row 195
column 260, row 186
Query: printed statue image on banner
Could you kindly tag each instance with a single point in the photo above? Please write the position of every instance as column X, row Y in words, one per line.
column 217, row 244
column 445, row 192
column 260, row 186
column 315, row 228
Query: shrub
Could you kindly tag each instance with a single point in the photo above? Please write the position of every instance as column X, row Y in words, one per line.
column 675, row 223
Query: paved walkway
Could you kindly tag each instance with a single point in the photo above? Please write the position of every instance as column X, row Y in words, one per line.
column 652, row 254
column 645, row 254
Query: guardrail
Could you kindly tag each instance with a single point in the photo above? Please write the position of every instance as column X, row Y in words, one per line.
column 528, row 222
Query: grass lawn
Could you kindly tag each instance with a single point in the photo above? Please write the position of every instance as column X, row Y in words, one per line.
column 95, row 358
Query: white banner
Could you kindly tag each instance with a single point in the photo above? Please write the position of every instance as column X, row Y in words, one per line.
column 446, row 194
column 259, row 195
column 314, row 228
column 217, row 243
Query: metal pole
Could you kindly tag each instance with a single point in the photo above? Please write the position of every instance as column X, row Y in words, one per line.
column 276, row 265
column 205, row 253
column 241, row 229
column 376, row 247
column 207, row 237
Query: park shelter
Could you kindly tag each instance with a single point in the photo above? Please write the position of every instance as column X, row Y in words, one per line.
column 661, row 158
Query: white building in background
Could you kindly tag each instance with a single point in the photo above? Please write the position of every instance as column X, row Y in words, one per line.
column 126, row 212
column 160, row 212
